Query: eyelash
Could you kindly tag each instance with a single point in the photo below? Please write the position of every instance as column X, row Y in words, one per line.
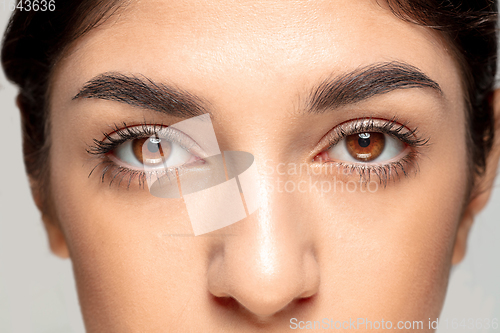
column 102, row 148
column 384, row 172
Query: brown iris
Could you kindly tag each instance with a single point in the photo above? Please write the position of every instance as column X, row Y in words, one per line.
column 151, row 151
column 365, row 146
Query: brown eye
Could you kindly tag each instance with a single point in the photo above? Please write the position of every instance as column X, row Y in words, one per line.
column 160, row 151
column 366, row 146
column 151, row 151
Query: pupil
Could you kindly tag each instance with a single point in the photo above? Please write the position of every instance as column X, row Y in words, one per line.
column 364, row 140
column 154, row 145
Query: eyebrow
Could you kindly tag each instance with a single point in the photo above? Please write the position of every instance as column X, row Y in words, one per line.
column 349, row 88
column 366, row 82
column 144, row 93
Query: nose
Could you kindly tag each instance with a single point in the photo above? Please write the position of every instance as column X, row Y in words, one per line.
column 267, row 264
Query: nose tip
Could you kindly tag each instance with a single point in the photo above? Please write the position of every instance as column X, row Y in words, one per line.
column 264, row 283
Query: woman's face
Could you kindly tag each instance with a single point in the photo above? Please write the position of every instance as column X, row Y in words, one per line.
column 273, row 78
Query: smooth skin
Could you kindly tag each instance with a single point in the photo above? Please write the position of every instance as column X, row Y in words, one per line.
column 384, row 255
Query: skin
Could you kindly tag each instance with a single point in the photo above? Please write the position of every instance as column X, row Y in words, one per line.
column 384, row 255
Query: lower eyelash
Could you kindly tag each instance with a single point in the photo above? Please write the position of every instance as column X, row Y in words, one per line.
column 384, row 173
column 111, row 169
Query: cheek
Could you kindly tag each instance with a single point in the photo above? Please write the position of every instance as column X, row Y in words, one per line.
column 126, row 246
column 389, row 252
column 388, row 260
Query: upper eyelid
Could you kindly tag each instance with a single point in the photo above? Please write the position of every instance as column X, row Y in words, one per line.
column 128, row 130
column 389, row 127
column 157, row 130
column 120, row 135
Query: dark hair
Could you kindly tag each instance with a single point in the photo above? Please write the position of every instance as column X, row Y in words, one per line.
column 470, row 29
column 32, row 44
column 34, row 41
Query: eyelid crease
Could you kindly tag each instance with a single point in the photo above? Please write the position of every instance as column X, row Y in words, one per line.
column 391, row 127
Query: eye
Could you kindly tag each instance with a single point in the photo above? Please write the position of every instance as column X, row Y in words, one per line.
column 365, row 147
column 152, row 152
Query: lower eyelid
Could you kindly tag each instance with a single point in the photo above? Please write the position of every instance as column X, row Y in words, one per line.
column 111, row 167
column 366, row 173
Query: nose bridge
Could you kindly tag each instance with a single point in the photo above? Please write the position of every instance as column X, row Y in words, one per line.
column 269, row 262
column 270, row 243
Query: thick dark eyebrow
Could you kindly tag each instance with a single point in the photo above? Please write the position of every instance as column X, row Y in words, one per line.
column 144, row 93
column 367, row 82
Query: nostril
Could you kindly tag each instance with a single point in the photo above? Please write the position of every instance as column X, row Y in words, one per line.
column 261, row 299
column 230, row 304
column 306, row 300
column 227, row 302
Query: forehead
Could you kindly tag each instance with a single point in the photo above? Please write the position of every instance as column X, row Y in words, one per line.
column 206, row 46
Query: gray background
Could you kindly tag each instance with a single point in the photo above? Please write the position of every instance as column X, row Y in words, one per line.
column 37, row 291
